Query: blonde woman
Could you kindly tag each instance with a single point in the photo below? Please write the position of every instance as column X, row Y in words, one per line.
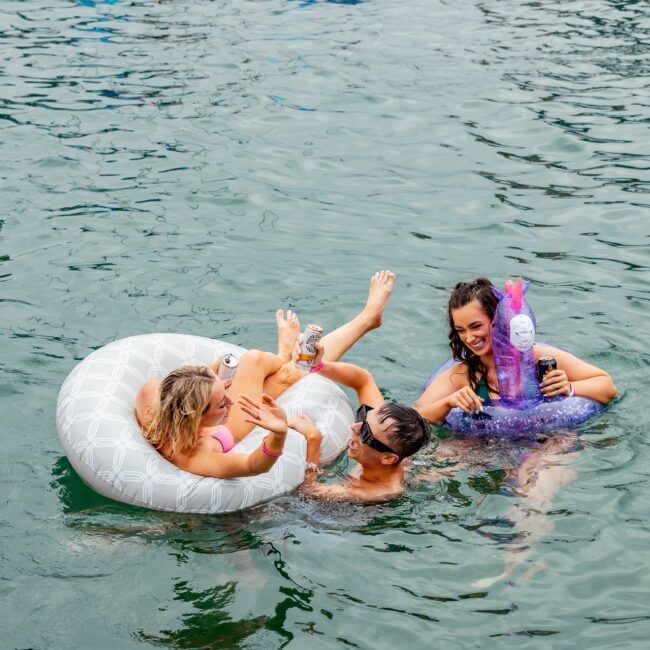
column 194, row 419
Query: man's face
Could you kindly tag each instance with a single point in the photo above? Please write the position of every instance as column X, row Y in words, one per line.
column 363, row 453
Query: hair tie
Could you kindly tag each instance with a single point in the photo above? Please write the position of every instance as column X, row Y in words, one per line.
column 267, row 452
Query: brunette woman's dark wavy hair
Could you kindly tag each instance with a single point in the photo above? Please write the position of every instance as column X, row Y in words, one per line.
column 462, row 294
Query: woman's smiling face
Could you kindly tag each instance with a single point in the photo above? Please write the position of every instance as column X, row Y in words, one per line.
column 474, row 328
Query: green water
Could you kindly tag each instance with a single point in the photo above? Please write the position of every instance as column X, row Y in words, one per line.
column 192, row 166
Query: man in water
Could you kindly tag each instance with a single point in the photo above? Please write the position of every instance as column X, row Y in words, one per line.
column 383, row 436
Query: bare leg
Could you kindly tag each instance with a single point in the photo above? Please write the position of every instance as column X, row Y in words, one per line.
column 338, row 342
column 288, row 333
column 254, row 367
column 538, row 481
column 288, row 374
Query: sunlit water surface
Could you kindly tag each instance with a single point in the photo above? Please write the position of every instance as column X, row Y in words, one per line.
column 191, row 167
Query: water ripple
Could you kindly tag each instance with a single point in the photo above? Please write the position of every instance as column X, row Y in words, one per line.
column 193, row 167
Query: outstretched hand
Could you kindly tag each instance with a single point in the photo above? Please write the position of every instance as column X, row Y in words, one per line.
column 305, row 425
column 267, row 414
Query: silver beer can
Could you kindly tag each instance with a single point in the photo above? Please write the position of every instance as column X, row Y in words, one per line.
column 228, row 367
column 311, row 336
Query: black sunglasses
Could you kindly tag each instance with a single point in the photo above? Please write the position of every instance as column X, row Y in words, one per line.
column 365, row 434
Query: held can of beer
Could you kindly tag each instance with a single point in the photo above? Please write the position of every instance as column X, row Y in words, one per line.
column 228, row 367
column 312, row 334
column 544, row 366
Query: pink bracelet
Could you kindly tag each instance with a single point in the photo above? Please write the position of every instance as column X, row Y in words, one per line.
column 573, row 389
column 317, row 368
column 268, row 453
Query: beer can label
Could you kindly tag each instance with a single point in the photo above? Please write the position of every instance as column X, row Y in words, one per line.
column 544, row 366
column 311, row 336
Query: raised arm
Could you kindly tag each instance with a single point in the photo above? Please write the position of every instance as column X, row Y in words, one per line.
column 359, row 379
column 267, row 414
column 305, row 425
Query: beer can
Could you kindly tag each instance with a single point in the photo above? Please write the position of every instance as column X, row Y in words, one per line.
column 228, row 367
column 544, row 366
column 311, row 336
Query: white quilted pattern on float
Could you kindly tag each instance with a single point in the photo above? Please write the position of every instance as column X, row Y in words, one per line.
column 100, row 435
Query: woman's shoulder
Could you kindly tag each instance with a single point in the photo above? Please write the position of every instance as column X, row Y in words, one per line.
column 458, row 374
column 451, row 378
column 182, row 459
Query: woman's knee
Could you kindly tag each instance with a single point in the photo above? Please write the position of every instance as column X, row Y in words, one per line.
column 262, row 361
column 252, row 356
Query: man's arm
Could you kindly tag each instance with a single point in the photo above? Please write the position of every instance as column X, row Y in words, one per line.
column 346, row 491
column 305, row 425
column 356, row 378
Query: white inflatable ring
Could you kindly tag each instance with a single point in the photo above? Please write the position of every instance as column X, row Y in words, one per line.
column 101, row 438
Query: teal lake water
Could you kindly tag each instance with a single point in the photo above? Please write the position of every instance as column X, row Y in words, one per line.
column 193, row 166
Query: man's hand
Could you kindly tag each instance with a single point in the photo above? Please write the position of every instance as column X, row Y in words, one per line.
column 297, row 348
column 305, row 425
column 320, row 352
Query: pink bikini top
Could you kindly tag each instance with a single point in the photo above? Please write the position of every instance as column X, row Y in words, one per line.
column 222, row 435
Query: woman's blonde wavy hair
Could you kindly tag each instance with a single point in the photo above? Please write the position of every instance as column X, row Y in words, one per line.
column 185, row 395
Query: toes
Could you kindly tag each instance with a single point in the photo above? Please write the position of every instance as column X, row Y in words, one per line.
column 382, row 277
column 279, row 316
column 387, row 277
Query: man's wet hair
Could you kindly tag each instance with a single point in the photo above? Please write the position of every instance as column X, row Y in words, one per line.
column 409, row 431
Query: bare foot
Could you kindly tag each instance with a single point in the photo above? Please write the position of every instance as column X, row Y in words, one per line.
column 288, row 332
column 381, row 286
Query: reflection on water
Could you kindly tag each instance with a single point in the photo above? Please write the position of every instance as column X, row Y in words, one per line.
column 193, row 167
column 210, row 625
